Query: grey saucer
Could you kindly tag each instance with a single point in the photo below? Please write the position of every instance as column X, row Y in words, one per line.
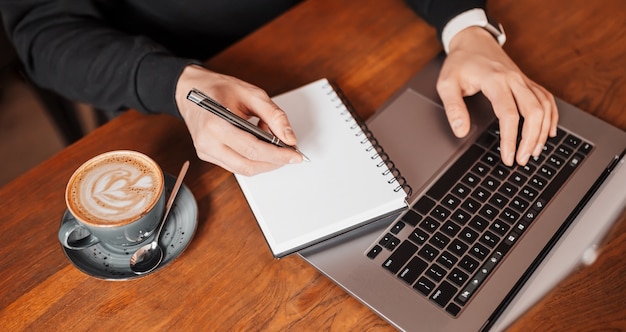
column 113, row 263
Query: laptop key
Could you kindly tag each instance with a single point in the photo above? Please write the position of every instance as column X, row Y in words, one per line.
column 501, row 172
column 560, row 133
column 519, row 204
column 423, row 205
column 529, row 193
column 564, row 151
column 461, row 217
column 439, row 240
column 400, row 256
column 447, row 260
column 435, row 272
column 499, row 227
column 428, row 252
column 374, row 251
column 451, row 202
column 454, row 173
column 412, row 218
column 429, row 224
column 440, row 213
column 450, row 228
column 424, row 286
column 528, row 169
column 479, row 251
column 499, row 201
column 468, row 235
column 557, row 182
column 468, row 264
column 453, row 309
column 419, row 236
column 490, row 159
column 444, row 293
column 480, row 169
column 572, row 141
column 458, row 277
column 585, row 148
column 397, row 228
column 481, row 194
column 413, row 270
column 457, row 247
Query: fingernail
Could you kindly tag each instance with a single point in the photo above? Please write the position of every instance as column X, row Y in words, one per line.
column 509, row 158
column 524, row 159
column 538, row 150
column 289, row 134
column 457, row 124
column 295, row 160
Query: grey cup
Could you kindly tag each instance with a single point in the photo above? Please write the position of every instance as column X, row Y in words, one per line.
column 116, row 198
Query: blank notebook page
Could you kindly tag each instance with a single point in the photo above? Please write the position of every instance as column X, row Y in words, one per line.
column 345, row 184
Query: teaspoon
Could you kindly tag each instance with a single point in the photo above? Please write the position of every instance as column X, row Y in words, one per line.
column 149, row 256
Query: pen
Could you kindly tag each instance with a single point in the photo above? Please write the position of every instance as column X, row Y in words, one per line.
column 223, row 112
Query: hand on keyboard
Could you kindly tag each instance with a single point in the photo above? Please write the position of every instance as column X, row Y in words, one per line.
column 474, row 65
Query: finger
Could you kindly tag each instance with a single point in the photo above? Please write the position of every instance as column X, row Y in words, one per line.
column 533, row 112
column 275, row 118
column 555, row 117
column 238, row 151
column 547, row 102
column 505, row 109
column 455, row 108
column 252, row 148
column 235, row 162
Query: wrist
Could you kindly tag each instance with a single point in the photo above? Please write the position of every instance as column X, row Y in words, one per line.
column 191, row 74
column 470, row 38
column 472, row 18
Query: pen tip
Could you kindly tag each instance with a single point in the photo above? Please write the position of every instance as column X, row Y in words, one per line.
column 304, row 157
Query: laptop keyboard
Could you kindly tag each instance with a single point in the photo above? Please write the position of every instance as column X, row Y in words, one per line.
column 455, row 235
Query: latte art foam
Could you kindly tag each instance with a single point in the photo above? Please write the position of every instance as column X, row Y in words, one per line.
column 115, row 189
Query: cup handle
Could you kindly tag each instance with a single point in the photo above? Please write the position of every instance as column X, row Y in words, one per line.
column 85, row 239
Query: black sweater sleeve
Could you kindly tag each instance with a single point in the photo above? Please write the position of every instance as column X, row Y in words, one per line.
column 66, row 46
column 71, row 46
column 438, row 12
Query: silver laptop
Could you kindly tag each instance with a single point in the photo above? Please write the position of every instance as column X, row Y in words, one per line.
column 476, row 230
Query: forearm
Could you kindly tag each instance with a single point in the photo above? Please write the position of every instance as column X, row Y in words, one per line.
column 66, row 47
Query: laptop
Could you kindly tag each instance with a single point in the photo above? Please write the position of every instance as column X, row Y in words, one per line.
column 476, row 231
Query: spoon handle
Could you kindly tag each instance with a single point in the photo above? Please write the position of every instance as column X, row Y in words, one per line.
column 170, row 201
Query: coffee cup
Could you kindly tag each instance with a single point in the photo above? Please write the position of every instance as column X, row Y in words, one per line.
column 117, row 198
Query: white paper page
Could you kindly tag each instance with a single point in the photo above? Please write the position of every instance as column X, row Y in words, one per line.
column 341, row 187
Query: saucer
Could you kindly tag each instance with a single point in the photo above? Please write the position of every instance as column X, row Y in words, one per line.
column 110, row 262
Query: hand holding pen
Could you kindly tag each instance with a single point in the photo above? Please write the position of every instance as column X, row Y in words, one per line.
column 223, row 144
column 223, row 112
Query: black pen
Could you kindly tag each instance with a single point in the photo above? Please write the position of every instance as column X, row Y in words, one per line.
column 223, row 112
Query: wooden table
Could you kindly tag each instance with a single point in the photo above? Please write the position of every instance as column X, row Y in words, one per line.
column 227, row 279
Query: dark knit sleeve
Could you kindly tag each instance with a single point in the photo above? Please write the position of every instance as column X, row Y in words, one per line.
column 67, row 47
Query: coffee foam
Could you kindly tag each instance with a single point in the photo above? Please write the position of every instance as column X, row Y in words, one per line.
column 114, row 189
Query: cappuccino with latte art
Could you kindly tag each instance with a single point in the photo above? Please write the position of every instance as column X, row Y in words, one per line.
column 117, row 197
column 114, row 188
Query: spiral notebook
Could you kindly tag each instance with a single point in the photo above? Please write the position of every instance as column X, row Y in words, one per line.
column 349, row 181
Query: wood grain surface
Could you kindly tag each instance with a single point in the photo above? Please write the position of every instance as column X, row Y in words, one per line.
column 227, row 279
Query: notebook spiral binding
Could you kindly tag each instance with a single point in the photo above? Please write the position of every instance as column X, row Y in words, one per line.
column 368, row 137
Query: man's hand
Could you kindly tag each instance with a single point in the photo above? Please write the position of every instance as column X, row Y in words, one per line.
column 477, row 63
column 219, row 142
